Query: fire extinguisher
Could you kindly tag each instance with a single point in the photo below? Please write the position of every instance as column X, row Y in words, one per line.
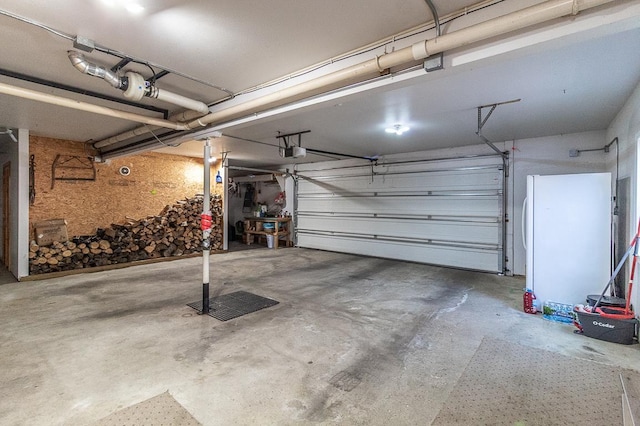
column 529, row 301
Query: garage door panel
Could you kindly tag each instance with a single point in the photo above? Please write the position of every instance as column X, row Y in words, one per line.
column 442, row 231
column 473, row 180
column 447, row 212
column 466, row 258
column 447, row 206
column 355, row 167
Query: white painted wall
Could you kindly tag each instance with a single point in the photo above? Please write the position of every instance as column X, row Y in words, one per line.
column 626, row 127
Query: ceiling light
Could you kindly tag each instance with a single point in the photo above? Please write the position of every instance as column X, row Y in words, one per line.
column 134, row 8
column 398, row 129
column 130, row 5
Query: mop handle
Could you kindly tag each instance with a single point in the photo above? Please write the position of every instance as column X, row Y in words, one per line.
column 633, row 271
column 615, row 273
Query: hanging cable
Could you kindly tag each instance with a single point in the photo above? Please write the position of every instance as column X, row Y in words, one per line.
column 436, row 19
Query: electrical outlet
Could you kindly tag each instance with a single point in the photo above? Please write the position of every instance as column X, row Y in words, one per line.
column 574, row 153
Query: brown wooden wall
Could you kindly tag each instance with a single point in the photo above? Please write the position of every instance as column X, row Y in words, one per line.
column 155, row 181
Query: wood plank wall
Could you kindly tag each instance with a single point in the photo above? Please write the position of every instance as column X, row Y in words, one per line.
column 155, row 181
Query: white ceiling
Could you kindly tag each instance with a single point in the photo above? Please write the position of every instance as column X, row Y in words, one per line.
column 567, row 84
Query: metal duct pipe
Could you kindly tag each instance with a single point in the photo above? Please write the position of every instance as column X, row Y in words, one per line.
column 133, row 84
column 81, row 64
column 357, row 73
column 84, row 106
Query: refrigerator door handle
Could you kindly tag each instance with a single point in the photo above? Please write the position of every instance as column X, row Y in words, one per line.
column 524, row 224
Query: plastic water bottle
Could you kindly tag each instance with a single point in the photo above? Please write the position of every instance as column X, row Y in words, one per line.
column 529, row 302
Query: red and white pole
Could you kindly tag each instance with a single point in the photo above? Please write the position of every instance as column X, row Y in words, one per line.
column 205, row 226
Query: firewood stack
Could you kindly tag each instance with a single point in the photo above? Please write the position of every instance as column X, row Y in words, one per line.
column 174, row 232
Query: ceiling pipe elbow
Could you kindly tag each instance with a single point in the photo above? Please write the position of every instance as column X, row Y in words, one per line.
column 81, row 64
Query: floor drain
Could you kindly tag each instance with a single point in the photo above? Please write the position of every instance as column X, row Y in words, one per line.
column 234, row 305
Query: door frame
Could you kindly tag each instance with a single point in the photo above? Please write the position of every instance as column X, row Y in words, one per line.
column 6, row 215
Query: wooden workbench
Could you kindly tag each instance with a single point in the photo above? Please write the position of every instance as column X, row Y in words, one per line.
column 255, row 226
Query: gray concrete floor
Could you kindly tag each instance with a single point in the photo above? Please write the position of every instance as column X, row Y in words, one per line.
column 6, row 277
column 79, row 348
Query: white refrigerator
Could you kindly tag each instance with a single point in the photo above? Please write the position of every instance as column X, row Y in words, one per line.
column 568, row 236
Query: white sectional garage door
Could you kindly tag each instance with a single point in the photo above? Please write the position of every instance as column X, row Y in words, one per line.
column 442, row 212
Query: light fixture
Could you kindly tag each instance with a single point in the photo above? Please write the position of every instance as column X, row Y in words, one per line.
column 130, row 5
column 134, row 8
column 398, row 129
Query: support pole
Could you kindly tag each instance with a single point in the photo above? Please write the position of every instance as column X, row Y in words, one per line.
column 205, row 225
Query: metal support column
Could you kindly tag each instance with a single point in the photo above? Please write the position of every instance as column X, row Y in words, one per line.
column 206, row 227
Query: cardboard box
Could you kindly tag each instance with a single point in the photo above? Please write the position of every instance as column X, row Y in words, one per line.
column 51, row 231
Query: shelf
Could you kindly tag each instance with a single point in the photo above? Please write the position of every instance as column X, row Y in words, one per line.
column 281, row 229
column 280, row 234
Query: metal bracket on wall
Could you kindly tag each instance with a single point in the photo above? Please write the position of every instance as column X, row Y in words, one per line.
column 483, row 121
column 72, row 167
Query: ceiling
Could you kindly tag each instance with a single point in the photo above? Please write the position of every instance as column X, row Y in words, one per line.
column 571, row 82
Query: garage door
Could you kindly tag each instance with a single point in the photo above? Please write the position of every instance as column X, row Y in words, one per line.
column 443, row 212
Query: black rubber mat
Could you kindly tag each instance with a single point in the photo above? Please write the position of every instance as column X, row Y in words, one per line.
column 234, row 305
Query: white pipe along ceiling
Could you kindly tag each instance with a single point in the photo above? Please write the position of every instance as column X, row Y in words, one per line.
column 34, row 95
column 537, row 14
column 138, row 131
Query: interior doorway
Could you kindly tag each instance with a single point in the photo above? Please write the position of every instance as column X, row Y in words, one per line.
column 6, row 215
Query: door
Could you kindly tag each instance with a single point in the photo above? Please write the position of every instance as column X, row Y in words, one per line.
column 6, row 215
column 443, row 212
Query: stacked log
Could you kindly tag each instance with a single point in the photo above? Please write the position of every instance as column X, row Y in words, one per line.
column 174, row 232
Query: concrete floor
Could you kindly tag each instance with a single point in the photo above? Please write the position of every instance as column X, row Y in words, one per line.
column 6, row 277
column 79, row 348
